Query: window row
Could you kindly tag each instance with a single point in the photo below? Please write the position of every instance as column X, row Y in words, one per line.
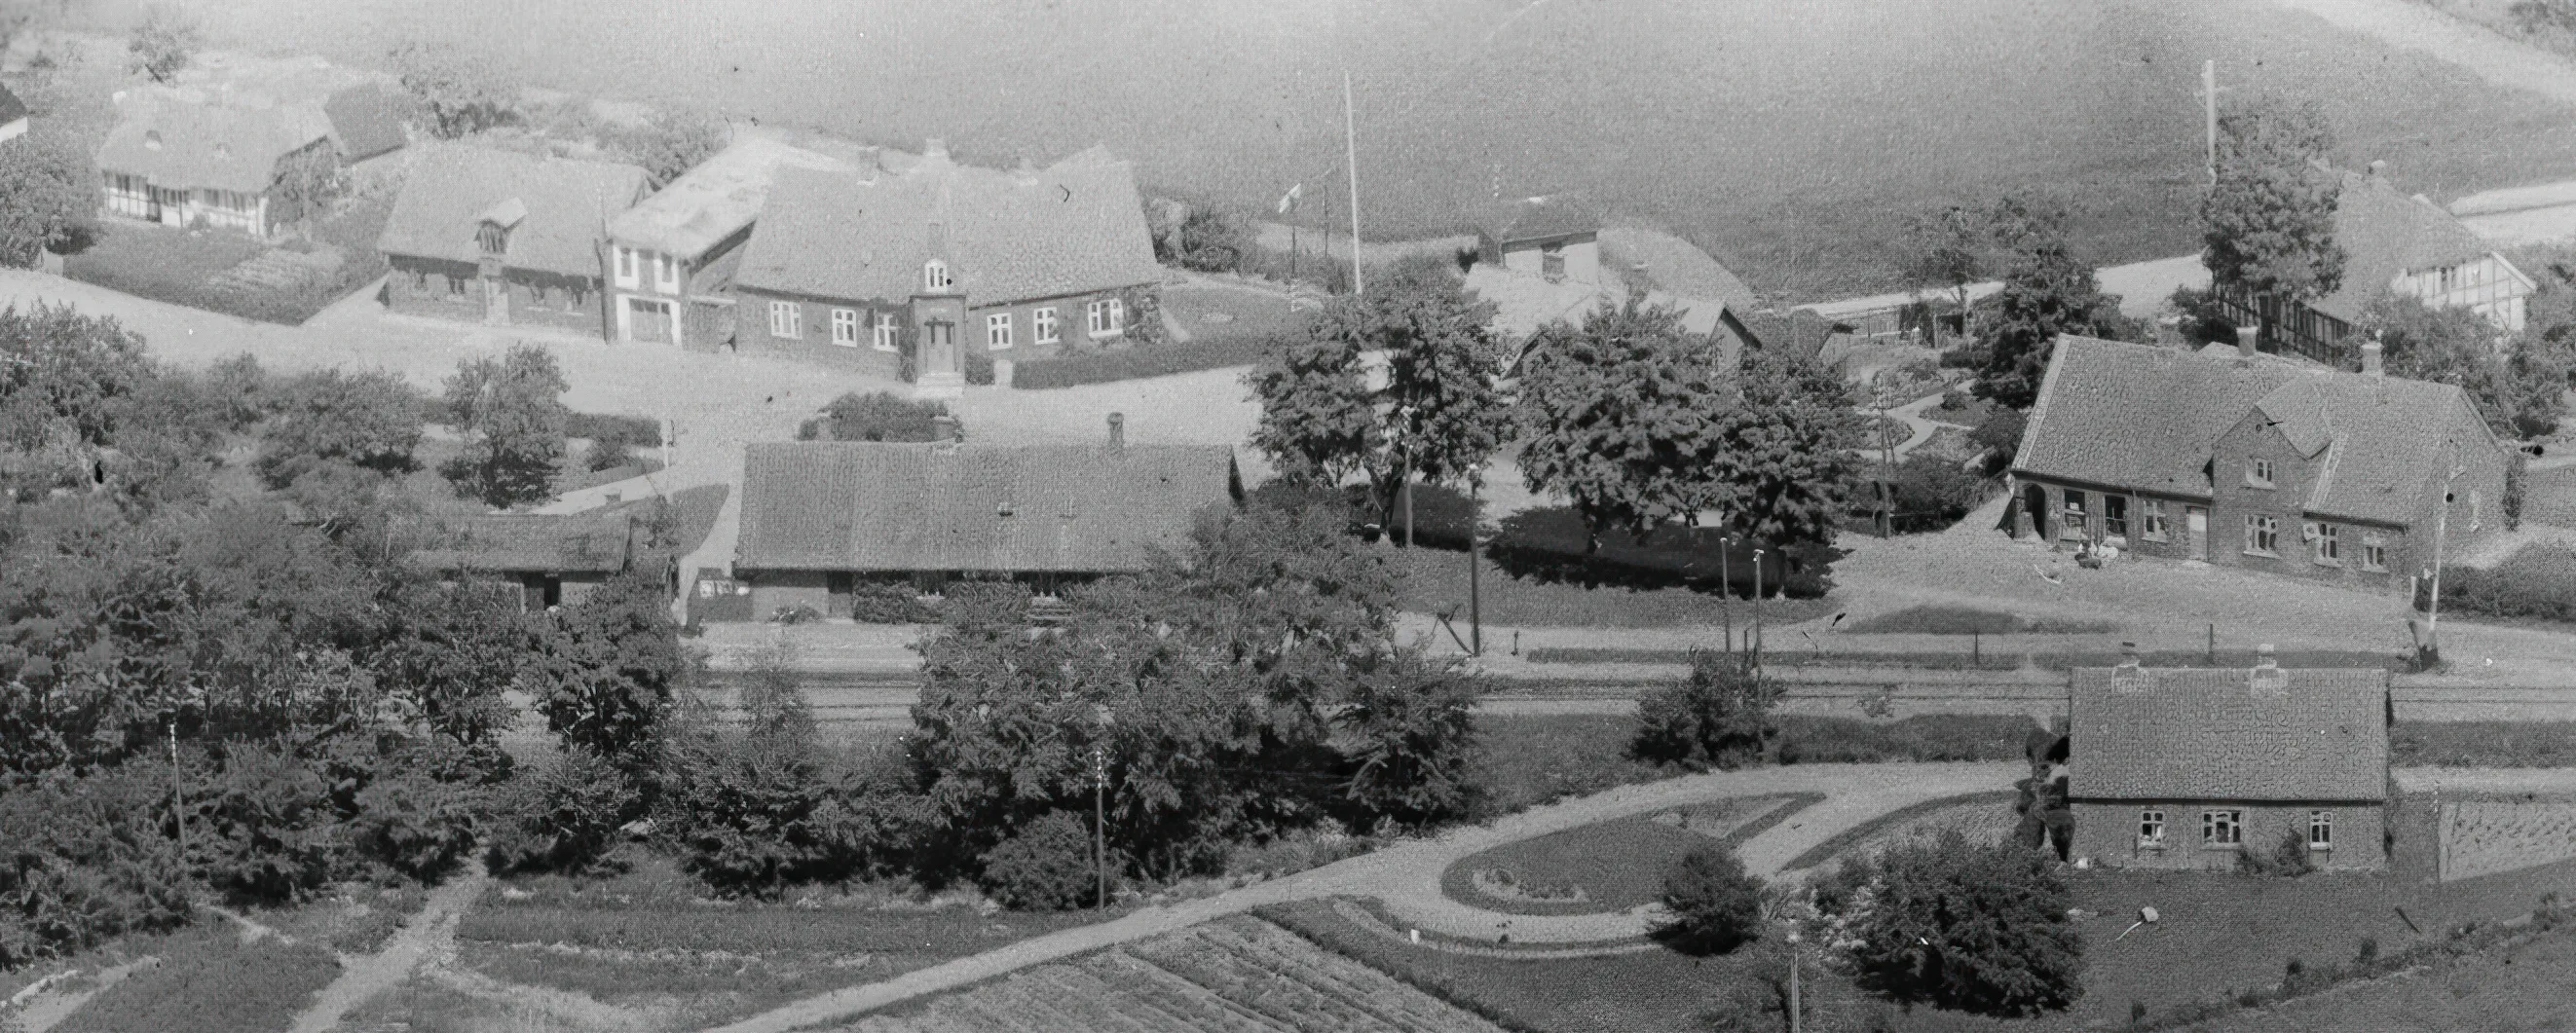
column 632, row 262
column 2226, row 828
column 458, row 287
column 1105, row 317
column 2327, row 542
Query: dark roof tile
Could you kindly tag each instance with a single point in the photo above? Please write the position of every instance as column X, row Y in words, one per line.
column 563, row 206
column 2213, row 734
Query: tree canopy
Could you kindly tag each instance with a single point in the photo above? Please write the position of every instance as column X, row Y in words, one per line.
column 2046, row 291
column 48, row 192
column 462, row 96
column 2518, row 387
column 1626, row 415
column 2267, row 225
column 163, row 43
column 1784, row 468
column 511, row 414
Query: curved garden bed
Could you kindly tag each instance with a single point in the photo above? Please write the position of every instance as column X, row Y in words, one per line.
column 1608, row 866
column 1981, row 816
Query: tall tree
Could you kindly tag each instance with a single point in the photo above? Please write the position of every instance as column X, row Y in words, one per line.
column 462, row 96
column 608, row 669
column 306, row 184
column 48, row 191
column 1946, row 251
column 2046, row 291
column 2267, row 226
column 669, row 145
column 370, row 420
column 512, row 417
column 1626, row 416
column 1784, row 464
column 2519, row 387
column 163, row 43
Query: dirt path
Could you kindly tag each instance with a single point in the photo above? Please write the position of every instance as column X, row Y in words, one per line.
column 361, row 979
column 1408, row 874
column 2411, row 26
column 48, row 1010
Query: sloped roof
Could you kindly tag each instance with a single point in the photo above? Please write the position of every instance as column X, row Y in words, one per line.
column 723, row 194
column 562, row 202
column 1076, row 227
column 1536, row 219
column 2385, row 233
column 1672, row 264
column 178, row 144
column 368, row 119
column 11, row 108
column 846, row 505
column 2211, row 734
column 1797, row 332
column 2145, row 417
column 592, row 542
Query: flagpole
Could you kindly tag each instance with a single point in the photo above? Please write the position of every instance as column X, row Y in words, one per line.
column 1351, row 162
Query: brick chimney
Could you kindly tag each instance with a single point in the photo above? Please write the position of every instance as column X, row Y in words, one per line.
column 1117, row 432
column 2379, row 170
column 2245, row 338
column 2268, row 680
column 2129, row 656
column 943, row 429
column 2372, row 361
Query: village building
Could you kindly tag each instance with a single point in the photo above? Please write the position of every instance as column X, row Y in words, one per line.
column 820, row 520
column 916, row 275
column 671, row 258
column 2394, row 245
column 2255, row 461
column 552, row 559
column 13, row 116
column 369, row 120
column 176, row 159
column 2185, row 768
column 1555, row 238
column 505, row 238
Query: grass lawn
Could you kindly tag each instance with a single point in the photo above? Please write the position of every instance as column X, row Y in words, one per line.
column 1530, row 759
column 209, row 981
column 186, row 267
column 2483, row 744
column 1973, row 815
column 1435, row 581
column 1964, row 620
column 1228, row 326
column 1618, row 864
column 1810, row 739
column 2523, row 986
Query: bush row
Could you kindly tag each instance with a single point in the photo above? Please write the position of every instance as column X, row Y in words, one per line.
column 632, row 431
column 2301, row 980
column 1212, row 351
column 2537, row 583
column 1552, row 545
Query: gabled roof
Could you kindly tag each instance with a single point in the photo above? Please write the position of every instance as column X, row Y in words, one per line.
column 1798, row 332
column 599, row 541
column 2145, row 417
column 2320, row 735
column 11, row 108
column 1075, row 227
column 723, row 194
column 179, row 144
column 1533, row 219
column 561, row 205
column 368, row 119
column 2385, row 233
column 846, row 505
column 1672, row 264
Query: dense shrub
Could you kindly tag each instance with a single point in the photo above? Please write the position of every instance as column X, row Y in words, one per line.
column 87, row 859
column 1999, row 434
column 889, row 602
column 267, row 831
column 1979, row 928
column 979, row 370
column 634, row 431
column 876, row 417
column 1930, row 495
column 2288, row 857
column 1045, row 866
column 1719, row 717
column 414, row 825
column 1807, row 739
column 1715, row 906
column 1142, row 360
column 2538, row 582
column 561, row 817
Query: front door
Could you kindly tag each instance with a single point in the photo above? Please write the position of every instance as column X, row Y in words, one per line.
column 496, row 300
column 939, row 349
column 2196, row 523
column 648, row 321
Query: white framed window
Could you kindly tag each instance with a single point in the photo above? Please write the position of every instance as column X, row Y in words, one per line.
column 2374, row 551
column 2222, row 828
column 2155, row 529
column 997, row 331
column 783, row 319
column 884, row 331
column 2320, row 830
column 2072, row 521
column 1043, row 321
column 2329, row 545
column 666, row 273
column 2262, row 535
column 625, row 266
column 934, row 275
column 845, row 327
column 2258, row 473
column 1106, row 317
column 2151, row 829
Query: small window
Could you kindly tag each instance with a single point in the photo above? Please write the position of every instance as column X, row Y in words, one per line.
column 666, row 273
column 456, row 286
column 783, row 319
column 2262, row 535
column 934, row 276
column 1044, row 321
column 2151, row 829
column 2329, row 545
column 997, row 331
column 2156, row 529
column 492, row 239
column 2222, row 828
column 1106, row 317
column 845, row 327
column 884, row 335
column 2320, row 830
column 625, row 266
column 2115, row 516
column 2258, row 473
column 575, row 297
column 2374, row 551
column 2071, row 519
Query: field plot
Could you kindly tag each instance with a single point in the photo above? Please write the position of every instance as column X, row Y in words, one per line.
column 1608, row 866
column 2485, row 837
column 1237, row 975
column 1982, row 817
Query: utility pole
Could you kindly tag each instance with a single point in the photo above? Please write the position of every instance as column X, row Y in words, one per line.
column 1795, row 1019
column 1726, row 592
column 1475, row 594
column 1351, row 164
column 2429, row 655
column 1753, row 643
column 2209, row 112
column 1101, row 718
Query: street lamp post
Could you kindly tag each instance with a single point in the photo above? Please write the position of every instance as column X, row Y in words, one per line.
column 1754, row 644
column 2429, row 655
column 1726, row 591
column 1475, row 592
column 1099, row 803
column 1794, row 1016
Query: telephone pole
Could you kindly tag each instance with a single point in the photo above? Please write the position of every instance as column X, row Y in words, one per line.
column 2209, row 113
column 1351, row 164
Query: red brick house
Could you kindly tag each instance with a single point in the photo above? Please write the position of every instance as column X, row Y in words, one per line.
column 2254, row 461
column 909, row 275
column 671, row 258
column 505, row 238
column 820, row 518
column 184, row 163
column 2393, row 244
column 554, row 559
column 2181, row 768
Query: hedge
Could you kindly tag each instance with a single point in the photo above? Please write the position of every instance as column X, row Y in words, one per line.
column 2537, row 583
column 632, row 431
column 1144, row 360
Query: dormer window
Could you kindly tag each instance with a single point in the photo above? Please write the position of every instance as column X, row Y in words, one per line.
column 151, row 139
column 2258, row 473
column 492, row 239
column 934, row 276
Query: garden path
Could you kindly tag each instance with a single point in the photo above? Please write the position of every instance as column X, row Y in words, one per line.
column 363, row 978
column 1408, row 873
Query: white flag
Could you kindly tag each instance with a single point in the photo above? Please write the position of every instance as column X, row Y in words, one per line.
column 1288, row 201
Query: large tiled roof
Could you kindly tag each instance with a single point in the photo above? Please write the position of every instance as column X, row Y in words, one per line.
column 2385, row 233
column 724, row 193
column 180, row 144
column 1076, row 227
column 11, row 108
column 1672, row 264
column 593, row 542
column 2145, row 417
column 2214, row 734
column 1536, row 219
column 838, row 505
column 564, row 204
column 368, row 119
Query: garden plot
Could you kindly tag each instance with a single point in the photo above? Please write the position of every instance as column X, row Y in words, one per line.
column 280, row 269
column 1982, row 818
column 2485, row 837
column 1235, row 975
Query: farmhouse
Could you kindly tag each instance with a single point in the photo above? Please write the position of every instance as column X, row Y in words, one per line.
column 822, row 518
column 13, row 115
column 912, row 275
column 183, row 162
column 505, row 238
column 2182, row 768
column 554, row 558
column 1554, row 237
column 2394, row 245
column 672, row 257
column 2254, row 461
